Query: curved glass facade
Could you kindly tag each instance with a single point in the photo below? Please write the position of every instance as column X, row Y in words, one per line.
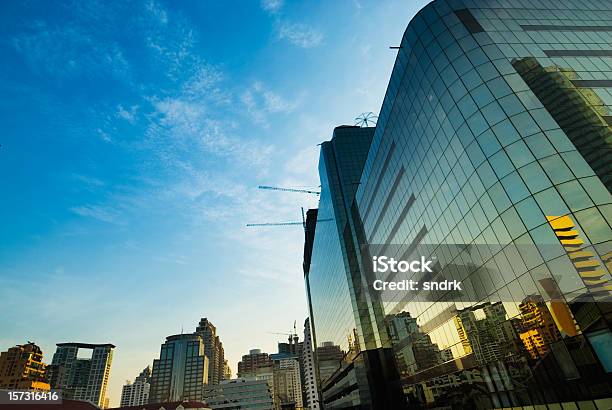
column 496, row 124
column 495, row 134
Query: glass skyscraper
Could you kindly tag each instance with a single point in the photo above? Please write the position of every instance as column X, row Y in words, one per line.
column 181, row 372
column 352, row 371
column 492, row 153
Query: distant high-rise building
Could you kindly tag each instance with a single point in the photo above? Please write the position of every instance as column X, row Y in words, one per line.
column 213, row 349
column 249, row 364
column 137, row 393
column 181, row 370
column 287, row 382
column 309, row 379
column 81, row 377
column 227, row 371
column 239, row 394
column 21, row 367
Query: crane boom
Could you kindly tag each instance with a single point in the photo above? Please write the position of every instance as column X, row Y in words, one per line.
column 276, row 224
column 303, row 223
column 274, row 188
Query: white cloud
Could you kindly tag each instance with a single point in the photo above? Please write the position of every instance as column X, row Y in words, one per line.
column 172, row 43
column 261, row 101
column 128, row 114
column 65, row 50
column 300, row 34
column 157, row 12
column 205, row 84
column 100, row 213
column 272, row 6
column 297, row 33
column 104, row 135
column 188, row 124
column 88, row 181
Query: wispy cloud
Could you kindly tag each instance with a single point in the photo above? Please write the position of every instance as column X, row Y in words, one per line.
column 156, row 11
column 260, row 101
column 171, row 38
column 128, row 114
column 100, row 213
column 205, row 83
column 181, row 124
column 196, row 117
column 105, row 136
column 272, row 6
column 88, row 180
column 70, row 49
column 299, row 34
column 172, row 259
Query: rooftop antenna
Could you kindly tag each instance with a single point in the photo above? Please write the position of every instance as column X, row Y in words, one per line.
column 366, row 119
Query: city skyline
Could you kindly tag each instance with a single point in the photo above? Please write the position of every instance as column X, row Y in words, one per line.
column 136, row 136
column 454, row 253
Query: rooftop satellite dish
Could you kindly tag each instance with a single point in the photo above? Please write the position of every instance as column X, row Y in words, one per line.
column 366, row 119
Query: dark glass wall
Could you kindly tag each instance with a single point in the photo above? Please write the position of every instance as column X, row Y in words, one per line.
column 352, row 369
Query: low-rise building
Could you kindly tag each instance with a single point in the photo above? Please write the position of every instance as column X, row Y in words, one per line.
column 239, row 393
column 21, row 367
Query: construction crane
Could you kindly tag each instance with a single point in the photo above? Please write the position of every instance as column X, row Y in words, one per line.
column 280, row 333
column 290, row 335
column 276, row 224
column 303, row 191
column 303, row 223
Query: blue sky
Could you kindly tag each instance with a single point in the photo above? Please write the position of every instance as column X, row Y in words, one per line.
column 134, row 136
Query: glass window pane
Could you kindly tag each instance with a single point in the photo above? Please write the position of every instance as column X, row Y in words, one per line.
column 519, row 154
column 574, row 195
column 556, row 169
column 551, row 203
column 534, row 177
